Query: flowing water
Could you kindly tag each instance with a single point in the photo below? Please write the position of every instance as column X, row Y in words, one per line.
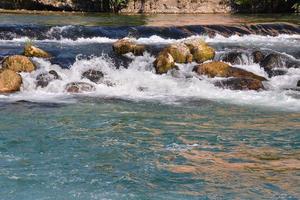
column 148, row 136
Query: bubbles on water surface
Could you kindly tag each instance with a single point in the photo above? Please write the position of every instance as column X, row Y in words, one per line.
column 138, row 81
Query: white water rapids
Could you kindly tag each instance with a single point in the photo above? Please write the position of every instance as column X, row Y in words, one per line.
column 139, row 81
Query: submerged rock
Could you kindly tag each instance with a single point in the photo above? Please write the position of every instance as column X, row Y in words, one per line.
column 93, row 75
column 258, row 56
column 234, row 58
column 54, row 74
column 124, row 46
column 274, row 64
column 32, row 51
column 200, row 50
column 45, row 78
column 18, row 63
column 180, row 53
column 164, row 62
column 79, row 87
column 240, row 84
column 10, row 81
column 221, row 69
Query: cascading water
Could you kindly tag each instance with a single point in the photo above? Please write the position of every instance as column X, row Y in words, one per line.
column 77, row 49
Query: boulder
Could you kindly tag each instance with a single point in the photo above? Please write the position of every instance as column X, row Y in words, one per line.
column 33, row 51
column 274, row 64
column 79, row 87
column 234, row 58
column 258, row 56
column 221, row 69
column 164, row 62
column 54, row 74
column 45, row 78
column 124, row 46
column 93, row 75
column 200, row 50
column 240, row 84
column 180, row 53
column 298, row 83
column 10, row 81
column 18, row 63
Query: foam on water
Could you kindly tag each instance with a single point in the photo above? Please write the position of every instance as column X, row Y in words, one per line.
column 139, row 82
column 155, row 39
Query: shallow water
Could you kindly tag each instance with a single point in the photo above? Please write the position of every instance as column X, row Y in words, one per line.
column 115, row 149
column 147, row 136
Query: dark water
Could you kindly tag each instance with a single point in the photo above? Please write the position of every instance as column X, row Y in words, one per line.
column 147, row 136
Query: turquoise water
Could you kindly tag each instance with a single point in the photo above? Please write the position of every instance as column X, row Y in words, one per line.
column 114, row 149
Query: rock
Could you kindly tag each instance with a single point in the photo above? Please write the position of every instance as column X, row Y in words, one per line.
column 79, row 87
column 234, row 58
column 258, row 56
column 298, row 83
column 200, row 50
column 273, row 62
column 164, row 62
column 93, row 75
column 45, row 78
column 32, row 51
column 124, row 46
column 180, row 53
column 10, row 81
column 54, row 74
column 18, row 63
column 240, row 84
column 220, row 69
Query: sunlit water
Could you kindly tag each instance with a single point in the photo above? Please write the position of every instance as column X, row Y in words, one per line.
column 146, row 136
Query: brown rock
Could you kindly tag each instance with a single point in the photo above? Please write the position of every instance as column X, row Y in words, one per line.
column 220, row 69
column 164, row 62
column 180, row 52
column 10, row 81
column 18, row 63
column 32, row 51
column 240, row 84
column 200, row 50
column 124, row 46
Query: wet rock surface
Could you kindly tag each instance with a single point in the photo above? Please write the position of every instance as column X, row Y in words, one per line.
column 240, row 84
column 274, row 64
column 125, row 46
column 18, row 63
column 200, row 50
column 93, row 75
column 221, row 69
column 258, row 56
column 33, row 51
column 164, row 62
column 234, row 58
column 79, row 87
column 10, row 81
column 44, row 79
column 180, row 53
